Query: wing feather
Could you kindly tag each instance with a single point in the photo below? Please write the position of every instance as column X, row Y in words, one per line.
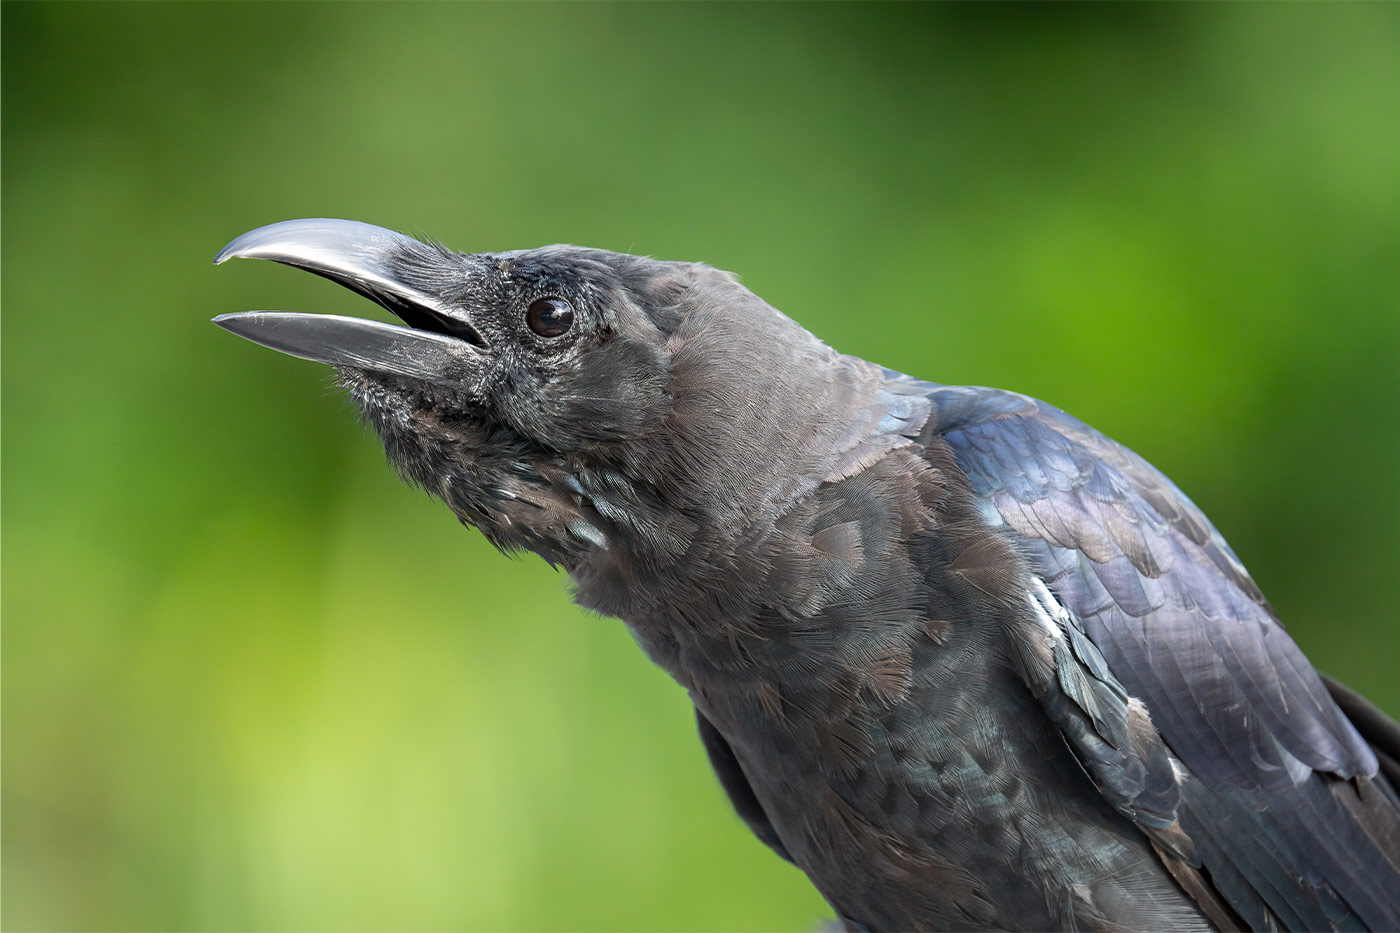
column 1279, row 797
column 736, row 785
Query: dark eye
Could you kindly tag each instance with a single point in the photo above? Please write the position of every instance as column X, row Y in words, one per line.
column 550, row 317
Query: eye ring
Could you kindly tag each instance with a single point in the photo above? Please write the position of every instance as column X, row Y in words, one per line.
column 550, row 316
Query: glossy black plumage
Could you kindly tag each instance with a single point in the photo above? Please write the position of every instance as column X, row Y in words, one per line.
column 1183, row 627
column 962, row 659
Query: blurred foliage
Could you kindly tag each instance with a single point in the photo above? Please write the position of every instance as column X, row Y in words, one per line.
column 251, row 682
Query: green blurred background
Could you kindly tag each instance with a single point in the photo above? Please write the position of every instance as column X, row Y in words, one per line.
column 251, row 682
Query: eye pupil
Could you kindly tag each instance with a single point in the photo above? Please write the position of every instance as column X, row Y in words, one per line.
column 550, row 317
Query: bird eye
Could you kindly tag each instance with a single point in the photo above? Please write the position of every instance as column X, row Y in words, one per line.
column 550, row 317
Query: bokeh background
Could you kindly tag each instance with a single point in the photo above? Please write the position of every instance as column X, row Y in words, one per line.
column 251, row 682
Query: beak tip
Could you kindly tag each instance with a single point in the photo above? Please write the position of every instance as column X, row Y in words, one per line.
column 239, row 322
column 231, row 251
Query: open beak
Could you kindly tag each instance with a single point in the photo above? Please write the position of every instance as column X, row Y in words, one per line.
column 439, row 345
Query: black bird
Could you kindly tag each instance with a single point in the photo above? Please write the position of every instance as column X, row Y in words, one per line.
column 965, row 661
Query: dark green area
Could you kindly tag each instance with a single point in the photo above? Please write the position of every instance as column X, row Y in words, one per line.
column 251, row 682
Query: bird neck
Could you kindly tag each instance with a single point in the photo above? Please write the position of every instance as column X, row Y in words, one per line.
column 688, row 537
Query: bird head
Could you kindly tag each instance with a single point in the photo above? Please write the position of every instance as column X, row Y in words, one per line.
column 574, row 401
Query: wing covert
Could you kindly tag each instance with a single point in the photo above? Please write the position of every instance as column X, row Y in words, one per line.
column 1279, row 801
column 1155, row 587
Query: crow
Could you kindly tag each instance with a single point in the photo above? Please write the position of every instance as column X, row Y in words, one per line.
column 965, row 661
